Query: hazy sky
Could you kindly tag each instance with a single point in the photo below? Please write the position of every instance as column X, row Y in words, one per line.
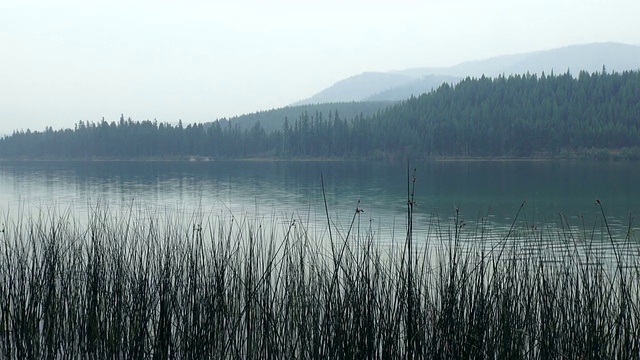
column 63, row 61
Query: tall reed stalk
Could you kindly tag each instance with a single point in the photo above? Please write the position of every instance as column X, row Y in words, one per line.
column 137, row 286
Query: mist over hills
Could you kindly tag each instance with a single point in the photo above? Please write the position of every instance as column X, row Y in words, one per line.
column 587, row 116
column 359, row 87
column 401, row 84
column 415, row 87
column 370, row 92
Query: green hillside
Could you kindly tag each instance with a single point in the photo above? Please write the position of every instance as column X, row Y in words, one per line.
column 549, row 116
column 272, row 120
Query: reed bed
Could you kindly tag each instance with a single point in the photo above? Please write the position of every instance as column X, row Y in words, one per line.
column 208, row 287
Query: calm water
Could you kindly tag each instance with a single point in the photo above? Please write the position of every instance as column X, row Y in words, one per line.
column 276, row 192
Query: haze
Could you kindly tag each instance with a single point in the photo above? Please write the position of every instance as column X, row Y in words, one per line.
column 66, row 61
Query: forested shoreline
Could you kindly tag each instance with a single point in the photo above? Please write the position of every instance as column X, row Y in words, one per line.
column 523, row 116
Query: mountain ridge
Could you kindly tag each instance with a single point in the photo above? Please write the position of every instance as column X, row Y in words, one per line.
column 401, row 84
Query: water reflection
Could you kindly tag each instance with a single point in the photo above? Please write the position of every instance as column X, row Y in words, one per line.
column 279, row 191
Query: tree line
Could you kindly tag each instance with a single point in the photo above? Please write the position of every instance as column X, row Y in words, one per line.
column 515, row 116
column 273, row 120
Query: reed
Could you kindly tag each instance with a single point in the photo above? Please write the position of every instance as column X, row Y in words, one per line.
column 139, row 286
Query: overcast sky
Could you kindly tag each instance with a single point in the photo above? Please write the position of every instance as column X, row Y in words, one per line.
column 63, row 61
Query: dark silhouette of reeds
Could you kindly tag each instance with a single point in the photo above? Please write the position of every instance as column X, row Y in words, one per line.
column 136, row 287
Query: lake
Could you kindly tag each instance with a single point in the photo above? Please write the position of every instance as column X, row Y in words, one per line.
column 276, row 192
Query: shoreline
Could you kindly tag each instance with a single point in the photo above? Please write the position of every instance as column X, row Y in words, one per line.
column 321, row 159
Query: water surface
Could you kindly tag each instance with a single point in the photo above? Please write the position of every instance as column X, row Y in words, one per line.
column 278, row 191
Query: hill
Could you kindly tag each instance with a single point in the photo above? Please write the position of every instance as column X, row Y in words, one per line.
column 415, row 87
column 370, row 92
column 523, row 116
column 272, row 120
column 397, row 85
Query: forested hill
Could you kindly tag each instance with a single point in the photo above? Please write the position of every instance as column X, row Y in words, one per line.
column 272, row 120
column 516, row 116
column 596, row 115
